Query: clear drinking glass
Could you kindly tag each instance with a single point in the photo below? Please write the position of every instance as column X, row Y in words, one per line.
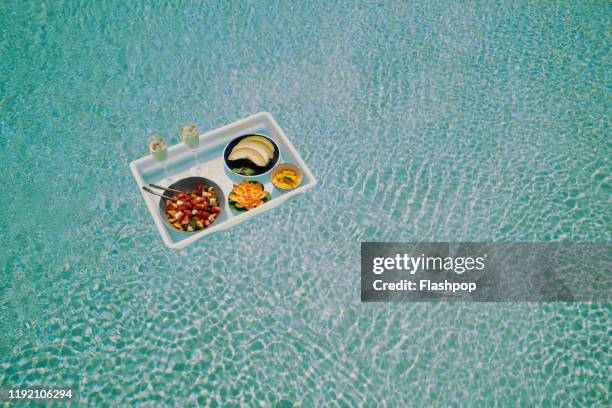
column 157, row 147
column 191, row 137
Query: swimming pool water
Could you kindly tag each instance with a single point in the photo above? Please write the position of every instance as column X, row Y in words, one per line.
column 421, row 121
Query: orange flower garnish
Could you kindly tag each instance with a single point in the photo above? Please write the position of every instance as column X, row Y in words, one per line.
column 247, row 195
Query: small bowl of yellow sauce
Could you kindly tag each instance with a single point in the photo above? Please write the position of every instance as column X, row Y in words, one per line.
column 286, row 176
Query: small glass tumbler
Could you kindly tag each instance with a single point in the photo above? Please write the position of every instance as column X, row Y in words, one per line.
column 191, row 137
column 157, row 147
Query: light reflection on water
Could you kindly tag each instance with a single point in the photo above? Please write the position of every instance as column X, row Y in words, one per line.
column 421, row 122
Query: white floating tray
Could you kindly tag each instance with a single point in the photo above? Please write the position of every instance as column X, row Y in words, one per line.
column 210, row 157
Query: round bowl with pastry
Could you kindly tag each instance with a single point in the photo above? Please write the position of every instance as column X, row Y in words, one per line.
column 247, row 195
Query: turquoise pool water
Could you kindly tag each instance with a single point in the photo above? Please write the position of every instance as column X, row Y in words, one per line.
column 421, row 121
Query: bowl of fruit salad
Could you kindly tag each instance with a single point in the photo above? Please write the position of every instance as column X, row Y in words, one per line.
column 196, row 208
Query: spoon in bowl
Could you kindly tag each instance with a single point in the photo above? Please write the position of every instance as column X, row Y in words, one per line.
column 148, row 190
column 168, row 189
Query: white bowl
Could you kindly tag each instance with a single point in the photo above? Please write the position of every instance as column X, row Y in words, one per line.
column 286, row 166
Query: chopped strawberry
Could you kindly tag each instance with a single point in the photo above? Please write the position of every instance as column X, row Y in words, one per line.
column 193, row 211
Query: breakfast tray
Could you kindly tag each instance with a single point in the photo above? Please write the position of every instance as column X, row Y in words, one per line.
column 180, row 164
